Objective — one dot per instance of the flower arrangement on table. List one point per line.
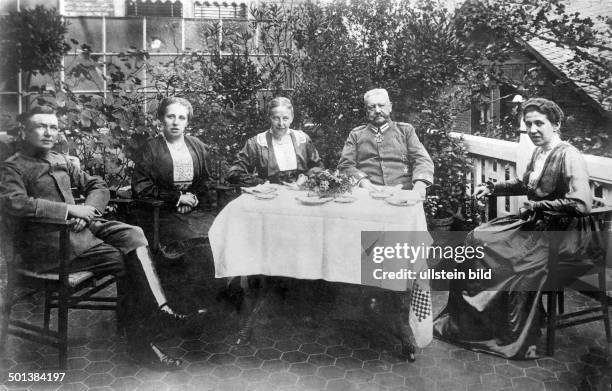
(328, 184)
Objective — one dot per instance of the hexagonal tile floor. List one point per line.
(313, 338)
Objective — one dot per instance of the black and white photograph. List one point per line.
(242, 195)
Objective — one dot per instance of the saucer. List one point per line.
(380, 195)
(266, 196)
(346, 199)
(260, 189)
(400, 202)
(313, 200)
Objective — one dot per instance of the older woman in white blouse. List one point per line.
(278, 154)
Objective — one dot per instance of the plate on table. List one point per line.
(400, 201)
(260, 189)
(313, 200)
(266, 196)
(345, 199)
(380, 195)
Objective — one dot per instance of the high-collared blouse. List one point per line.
(258, 157)
(154, 174)
(389, 156)
(182, 165)
(562, 185)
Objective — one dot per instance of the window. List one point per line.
(217, 10)
(157, 8)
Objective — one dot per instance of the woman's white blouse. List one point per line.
(284, 153)
(182, 163)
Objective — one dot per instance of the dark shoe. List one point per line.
(233, 296)
(169, 318)
(153, 356)
(408, 351)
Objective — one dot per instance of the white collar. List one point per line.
(381, 129)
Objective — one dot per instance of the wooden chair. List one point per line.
(61, 290)
(556, 316)
(151, 207)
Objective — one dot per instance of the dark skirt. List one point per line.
(503, 315)
(177, 232)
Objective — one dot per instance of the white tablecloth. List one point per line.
(282, 237)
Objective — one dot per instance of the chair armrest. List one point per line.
(145, 202)
(601, 210)
(46, 221)
(150, 203)
(225, 192)
(596, 212)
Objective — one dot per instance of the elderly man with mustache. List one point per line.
(385, 153)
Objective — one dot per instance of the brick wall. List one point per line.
(88, 8)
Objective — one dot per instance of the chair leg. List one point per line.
(551, 322)
(561, 302)
(604, 304)
(47, 313)
(4, 323)
(62, 328)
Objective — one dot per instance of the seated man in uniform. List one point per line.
(384, 152)
(387, 153)
(37, 182)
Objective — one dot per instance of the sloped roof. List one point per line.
(556, 58)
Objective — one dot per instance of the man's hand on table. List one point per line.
(368, 185)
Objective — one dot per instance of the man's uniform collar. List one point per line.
(381, 129)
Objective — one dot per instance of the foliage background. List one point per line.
(432, 61)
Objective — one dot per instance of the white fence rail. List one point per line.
(498, 160)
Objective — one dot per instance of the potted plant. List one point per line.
(447, 196)
(439, 213)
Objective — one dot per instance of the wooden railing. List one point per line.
(498, 160)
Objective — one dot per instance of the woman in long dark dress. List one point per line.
(503, 315)
(173, 168)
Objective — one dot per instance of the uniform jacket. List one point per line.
(42, 187)
(399, 159)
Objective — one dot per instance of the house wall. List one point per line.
(7, 6)
(582, 118)
(88, 8)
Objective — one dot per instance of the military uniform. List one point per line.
(41, 186)
(388, 156)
